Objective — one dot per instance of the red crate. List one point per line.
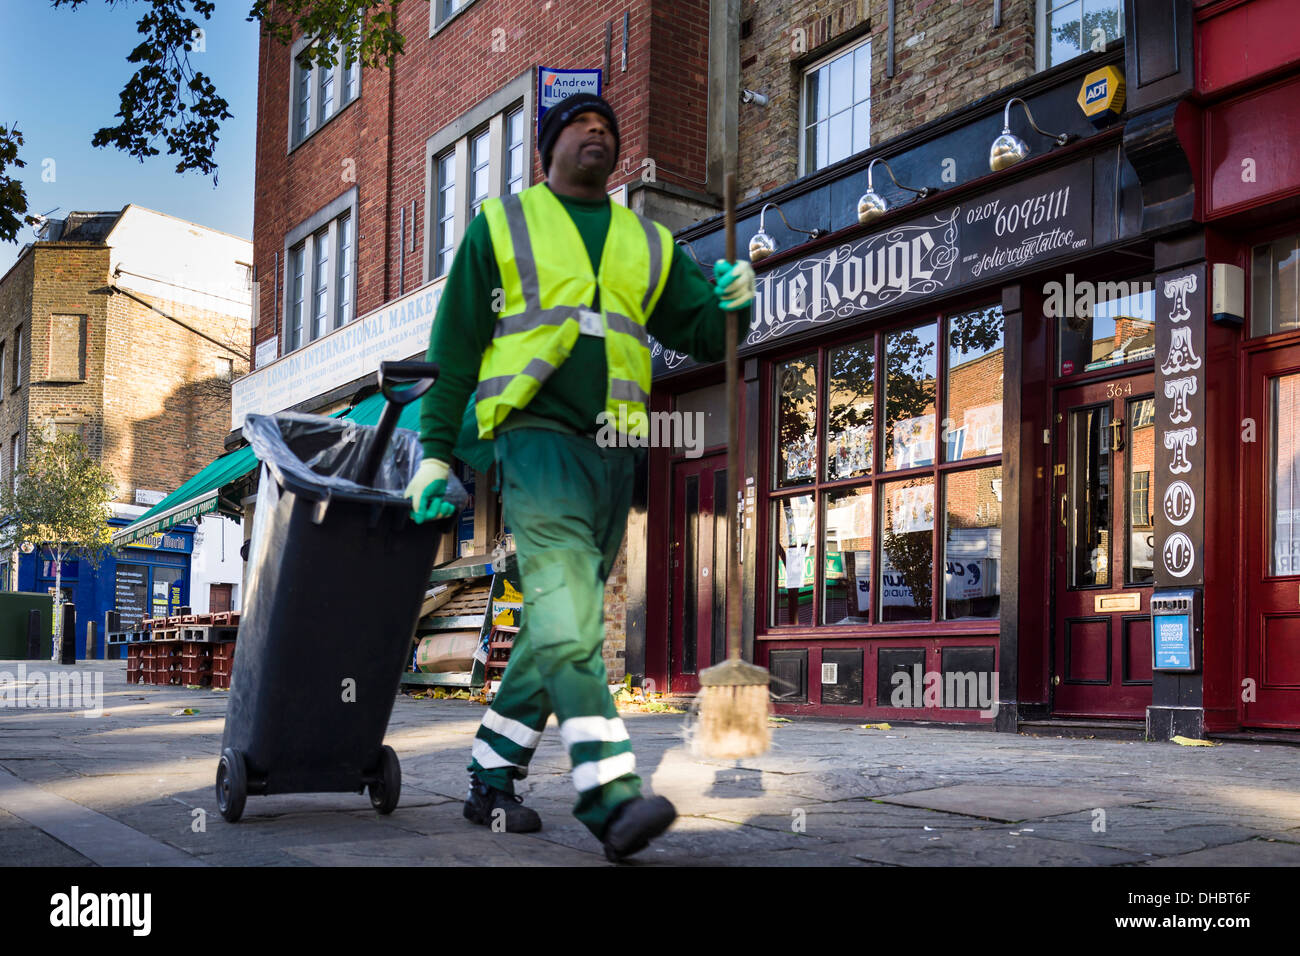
(196, 676)
(222, 667)
(196, 651)
(225, 651)
(221, 682)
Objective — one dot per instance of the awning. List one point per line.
(202, 494)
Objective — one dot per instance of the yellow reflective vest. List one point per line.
(548, 282)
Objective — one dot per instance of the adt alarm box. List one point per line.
(1176, 630)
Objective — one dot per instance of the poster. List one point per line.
(911, 509)
(983, 426)
(914, 442)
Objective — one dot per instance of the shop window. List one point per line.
(852, 538)
(320, 91)
(1102, 324)
(836, 108)
(1070, 28)
(1275, 287)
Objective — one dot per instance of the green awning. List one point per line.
(202, 494)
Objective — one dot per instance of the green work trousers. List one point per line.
(565, 500)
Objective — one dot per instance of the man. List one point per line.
(544, 318)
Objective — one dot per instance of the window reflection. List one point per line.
(973, 420)
(910, 397)
(1113, 325)
(972, 544)
(794, 556)
(851, 413)
(1284, 474)
(907, 556)
(846, 594)
(796, 421)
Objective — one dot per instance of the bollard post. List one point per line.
(91, 627)
(69, 655)
(33, 634)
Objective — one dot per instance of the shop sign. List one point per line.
(555, 85)
(395, 331)
(1043, 218)
(1180, 427)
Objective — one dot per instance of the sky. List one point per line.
(61, 71)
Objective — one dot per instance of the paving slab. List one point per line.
(1246, 853)
(982, 848)
(1011, 803)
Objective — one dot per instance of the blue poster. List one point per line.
(1173, 642)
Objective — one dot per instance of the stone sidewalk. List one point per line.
(132, 787)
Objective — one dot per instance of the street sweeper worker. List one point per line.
(544, 321)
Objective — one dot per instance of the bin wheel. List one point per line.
(232, 785)
(385, 790)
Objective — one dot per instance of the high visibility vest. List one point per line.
(547, 278)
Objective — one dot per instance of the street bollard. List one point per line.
(69, 655)
(33, 634)
(91, 627)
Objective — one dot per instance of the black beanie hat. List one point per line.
(565, 112)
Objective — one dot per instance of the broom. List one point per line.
(733, 694)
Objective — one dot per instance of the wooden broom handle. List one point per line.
(735, 515)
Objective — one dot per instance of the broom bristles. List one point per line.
(733, 722)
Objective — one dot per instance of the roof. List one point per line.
(82, 227)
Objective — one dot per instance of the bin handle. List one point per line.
(419, 376)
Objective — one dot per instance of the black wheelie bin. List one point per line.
(337, 573)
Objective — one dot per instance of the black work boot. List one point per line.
(483, 802)
(634, 824)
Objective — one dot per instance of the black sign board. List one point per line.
(1179, 485)
(1043, 218)
(130, 593)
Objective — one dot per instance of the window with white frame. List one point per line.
(320, 91)
(1070, 28)
(836, 108)
(320, 265)
(440, 11)
(481, 155)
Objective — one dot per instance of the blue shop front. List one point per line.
(149, 578)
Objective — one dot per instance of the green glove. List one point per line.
(734, 283)
(426, 492)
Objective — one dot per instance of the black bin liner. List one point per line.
(337, 574)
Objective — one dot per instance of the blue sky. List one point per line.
(60, 75)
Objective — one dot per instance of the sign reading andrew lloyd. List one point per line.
(1042, 218)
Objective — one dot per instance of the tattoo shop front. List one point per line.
(975, 437)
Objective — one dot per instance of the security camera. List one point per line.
(750, 96)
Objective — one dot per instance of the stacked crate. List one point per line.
(223, 658)
(133, 659)
(196, 664)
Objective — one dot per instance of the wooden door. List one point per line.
(1271, 696)
(698, 570)
(1103, 559)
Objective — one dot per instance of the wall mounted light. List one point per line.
(1009, 149)
(753, 96)
(761, 245)
(871, 205)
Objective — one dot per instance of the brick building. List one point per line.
(916, 403)
(127, 328)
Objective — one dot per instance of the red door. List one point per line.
(698, 567)
(1104, 548)
(1271, 696)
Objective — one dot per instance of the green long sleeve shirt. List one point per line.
(686, 318)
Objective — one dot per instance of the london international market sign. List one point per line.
(1045, 217)
(393, 332)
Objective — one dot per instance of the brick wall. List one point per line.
(380, 138)
(946, 55)
(151, 405)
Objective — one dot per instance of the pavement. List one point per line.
(134, 786)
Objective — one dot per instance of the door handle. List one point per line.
(1117, 435)
(1064, 524)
